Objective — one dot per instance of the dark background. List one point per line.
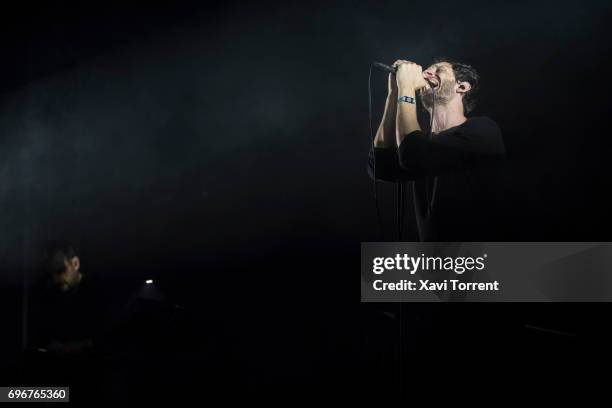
(221, 151)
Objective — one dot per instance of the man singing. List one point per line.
(452, 173)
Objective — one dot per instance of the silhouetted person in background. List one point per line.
(67, 311)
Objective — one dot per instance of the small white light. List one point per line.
(149, 281)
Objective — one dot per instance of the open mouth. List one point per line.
(434, 83)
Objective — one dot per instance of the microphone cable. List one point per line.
(430, 201)
(372, 136)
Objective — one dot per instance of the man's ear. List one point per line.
(76, 263)
(463, 87)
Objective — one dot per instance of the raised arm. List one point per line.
(385, 135)
(383, 158)
(409, 79)
(399, 119)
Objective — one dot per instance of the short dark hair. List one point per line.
(54, 254)
(464, 72)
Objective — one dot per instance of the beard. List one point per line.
(444, 93)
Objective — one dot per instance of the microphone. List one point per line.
(385, 67)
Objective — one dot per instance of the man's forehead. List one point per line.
(443, 65)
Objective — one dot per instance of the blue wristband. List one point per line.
(406, 99)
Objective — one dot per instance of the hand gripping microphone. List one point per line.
(393, 70)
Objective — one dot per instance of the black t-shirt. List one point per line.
(461, 164)
(74, 315)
